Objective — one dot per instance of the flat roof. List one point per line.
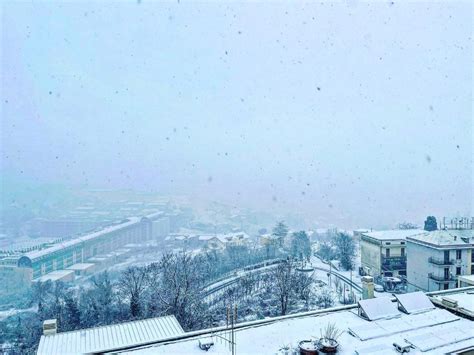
(448, 237)
(55, 275)
(466, 278)
(39, 253)
(369, 337)
(395, 234)
(465, 299)
(101, 339)
(81, 266)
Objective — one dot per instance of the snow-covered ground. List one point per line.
(14, 311)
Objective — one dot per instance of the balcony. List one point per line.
(394, 263)
(442, 278)
(440, 262)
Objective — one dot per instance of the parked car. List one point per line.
(378, 288)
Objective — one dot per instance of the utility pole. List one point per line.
(330, 272)
(351, 280)
(231, 320)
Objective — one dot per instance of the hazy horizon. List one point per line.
(353, 114)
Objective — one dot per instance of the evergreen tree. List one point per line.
(431, 224)
(19, 337)
(301, 246)
(346, 250)
(72, 316)
(280, 231)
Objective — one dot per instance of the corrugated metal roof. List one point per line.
(110, 337)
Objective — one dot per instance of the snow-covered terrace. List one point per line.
(430, 331)
(464, 300)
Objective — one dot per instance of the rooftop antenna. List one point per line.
(231, 320)
(229, 336)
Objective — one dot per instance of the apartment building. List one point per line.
(436, 259)
(384, 253)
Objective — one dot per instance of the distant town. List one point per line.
(255, 272)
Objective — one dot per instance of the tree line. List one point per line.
(172, 285)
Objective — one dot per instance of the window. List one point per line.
(446, 256)
(388, 243)
(458, 254)
(387, 253)
(402, 251)
(458, 270)
(446, 273)
(472, 255)
(446, 286)
(402, 243)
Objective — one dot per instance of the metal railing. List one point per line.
(442, 278)
(394, 263)
(440, 262)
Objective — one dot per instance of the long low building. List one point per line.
(78, 250)
(65, 254)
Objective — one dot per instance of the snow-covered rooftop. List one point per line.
(81, 266)
(414, 302)
(432, 332)
(449, 237)
(467, 278)
(378, 308)
(225, 238)
(101, 339)
(60, 246)
(56, 275)
(395, 234)
(464, 299)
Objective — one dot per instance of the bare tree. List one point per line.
(132, 284)
(283, 278)
(181, 281)
(302, 285)
(247, 283)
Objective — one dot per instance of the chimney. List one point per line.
(367, 287)
(50, 327)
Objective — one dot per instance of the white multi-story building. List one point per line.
(435, 259)
(384, 253)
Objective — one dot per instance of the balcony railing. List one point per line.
(441, 278)
(440, 262)
(394, 263)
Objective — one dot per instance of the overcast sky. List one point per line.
(349, 113)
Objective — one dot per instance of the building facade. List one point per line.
(436, 259)
(384, 253)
